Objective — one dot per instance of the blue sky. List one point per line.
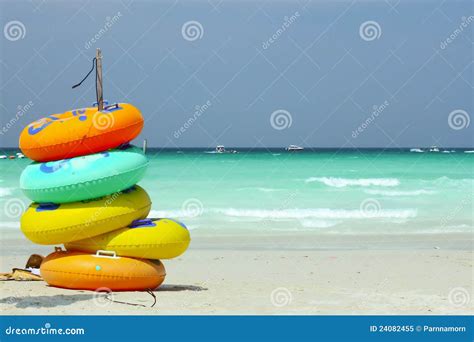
(249, 73)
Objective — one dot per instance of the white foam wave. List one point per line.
(5, 192)
(446, 181)
(343, 182)
(399, 193)
(311, 223)
(469, 151)
(416, 150)
(11, 224)
(318, 213)
(261, 189)
(172, 214)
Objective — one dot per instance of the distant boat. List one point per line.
(20, 155)
(221, 149)
(3, 156)
(434, 149)
(294, 148)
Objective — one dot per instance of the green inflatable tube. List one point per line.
(83, 178)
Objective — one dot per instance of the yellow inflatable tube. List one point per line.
(48, 223)
(145, 239)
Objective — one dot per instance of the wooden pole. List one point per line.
(100, 94)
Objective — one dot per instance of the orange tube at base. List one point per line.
(104, 270)
(80, 132)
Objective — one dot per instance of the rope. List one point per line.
(94, 66)
(150, 292)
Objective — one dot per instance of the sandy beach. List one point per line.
(432, 276)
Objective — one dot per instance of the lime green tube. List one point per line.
(83, 178)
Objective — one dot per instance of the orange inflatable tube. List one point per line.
(80, 132)
(101, 271)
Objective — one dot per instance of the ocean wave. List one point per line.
(172, 213)
(5, 192)
(399, 193)
(311, 223)
(321, 213)
(416, 150)
(12, 224)
(446, 181)
(289, 214)
(343, 182)
(261, 189)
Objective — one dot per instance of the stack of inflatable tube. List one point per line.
(84, 193)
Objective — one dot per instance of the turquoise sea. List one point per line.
(321, 191)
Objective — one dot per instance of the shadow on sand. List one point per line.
(45, 301)
(177, 288)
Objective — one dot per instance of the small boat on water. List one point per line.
(221, 149)
(434, 149)
(17, 155)
(294, 148)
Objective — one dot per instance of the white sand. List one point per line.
(204, 281)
